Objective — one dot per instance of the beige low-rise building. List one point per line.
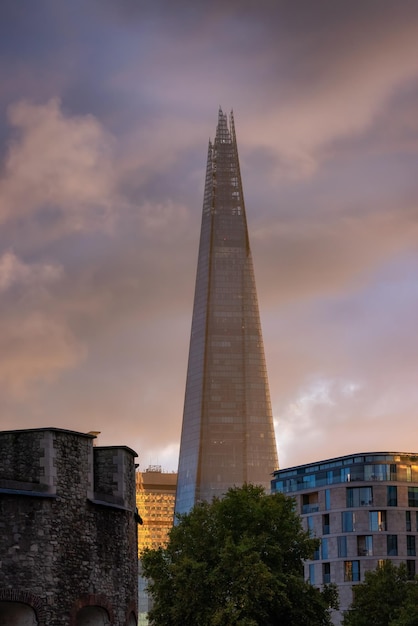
(155, 498)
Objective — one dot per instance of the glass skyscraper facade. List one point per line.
(227, 436)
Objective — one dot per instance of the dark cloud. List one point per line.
(105, 113)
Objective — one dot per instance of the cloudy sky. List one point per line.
(106, 109)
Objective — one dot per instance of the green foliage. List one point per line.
(386, 598)
(408, 613)
(236, 561)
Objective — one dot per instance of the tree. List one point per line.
(386, 598)
(408, 614)
(236, 561)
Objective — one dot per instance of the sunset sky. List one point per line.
(106, 109)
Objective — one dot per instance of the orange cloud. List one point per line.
(13, 271)
(60, 163)
(36, 342)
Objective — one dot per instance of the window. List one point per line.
(327, 499)
(324, 548)
(312, 573)
(410, 545)
(410, 568)
(316, 554)
(357, 473)
(392, 495)
(412, 496)
(408, 524)
(416, 521)
(325, 524)
(309, 481)
(310, 502)
(404, 473)
(348, 521)
(377, 520)
(310, 525)
(326, 573)
(376, 472)
(365, 545)
(359, 496)
(351, 571)
(342, 546)
(345, 475)
(392, 545)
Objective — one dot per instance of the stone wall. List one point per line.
(68, 533)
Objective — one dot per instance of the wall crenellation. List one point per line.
(61, 544)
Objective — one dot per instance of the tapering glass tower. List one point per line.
(227, 436)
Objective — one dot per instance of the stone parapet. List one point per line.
(68, 533)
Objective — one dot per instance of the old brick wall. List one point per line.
(20, 458)
(63, 542)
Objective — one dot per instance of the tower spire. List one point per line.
(227, 435)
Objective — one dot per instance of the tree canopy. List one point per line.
(386, 598)
(236, 561)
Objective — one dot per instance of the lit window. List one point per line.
(377, 520)
(351, 571)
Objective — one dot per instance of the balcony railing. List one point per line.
(310, 508)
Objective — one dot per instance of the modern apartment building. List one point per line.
(364, 509)
(228, 436)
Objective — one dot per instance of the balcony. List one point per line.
(310, 508)
(364, 552)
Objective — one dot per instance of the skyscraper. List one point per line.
(227, 435)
